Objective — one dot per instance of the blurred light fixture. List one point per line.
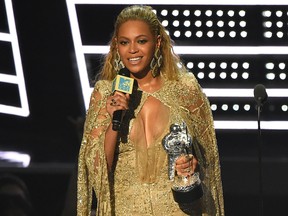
(14, 159)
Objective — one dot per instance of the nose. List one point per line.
(133, 48)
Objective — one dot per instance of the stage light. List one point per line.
(165, 23)
(280, 34)
(176, 23)
(212, 75)
(234, 75)
(198, 23)
(213, 107)
(279, 13)
(223, 65)
(175, 13)
(201, 65)
(231, 13)
(208, 13)
(14, 159)
(199, 34)
(247, 107)
(270, 76)
(190, 65)
(188, 34)
(282, 66)
(231, 24)
(187, 23)
(245, 65)
(245, 75)
(269, 65)
(242, 13)
(282, 76)
(177, 33)
(279, 24)
(232, 34)
(201, 75)
(221, 34)
(212, 65)
(242, 24)
(266, 13)
(164, 12)
(186, 13)
(268, 24)
(235, 107)
(224, 107)
(234, 65)
(268, 34)
(197, 13)
(219, 13)
(223, 75)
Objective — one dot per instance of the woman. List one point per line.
(127, 169)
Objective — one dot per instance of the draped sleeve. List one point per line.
(201, 125)
(92, 166)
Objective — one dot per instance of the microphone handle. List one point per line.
(116, 121)
(260, 169)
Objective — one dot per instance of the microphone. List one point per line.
(260, 94)
(122, 83)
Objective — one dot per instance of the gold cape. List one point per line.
(138, 184)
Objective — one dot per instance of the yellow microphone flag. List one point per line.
(123, 84)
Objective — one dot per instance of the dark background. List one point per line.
(51, 134)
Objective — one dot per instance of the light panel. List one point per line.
(181, 2)
(18, 79)
(81, 50)
(206, 50)
(251, 125)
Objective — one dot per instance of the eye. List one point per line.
(142, 41)
(123, 42)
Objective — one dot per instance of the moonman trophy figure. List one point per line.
(178, 143)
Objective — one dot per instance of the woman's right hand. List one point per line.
(117, 101)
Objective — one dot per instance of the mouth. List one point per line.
(134, 60)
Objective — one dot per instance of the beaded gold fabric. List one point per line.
(138, 183)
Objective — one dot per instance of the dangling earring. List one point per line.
(156, 63)
(118, 64)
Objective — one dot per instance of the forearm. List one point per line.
(110, 145)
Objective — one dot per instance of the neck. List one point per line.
(149, 83)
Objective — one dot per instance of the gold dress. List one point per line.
(138, 183)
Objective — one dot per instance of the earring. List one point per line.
(118, 64)
(156, 62)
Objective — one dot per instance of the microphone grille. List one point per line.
(124, 72)
(260, 93)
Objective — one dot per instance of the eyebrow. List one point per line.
(136, 37)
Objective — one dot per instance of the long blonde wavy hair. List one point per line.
(171, 65)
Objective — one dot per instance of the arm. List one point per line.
(206, 148)
(110, 145)
(92, 166)
(118, 101)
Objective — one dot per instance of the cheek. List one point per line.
(150, 54)
(121, 52)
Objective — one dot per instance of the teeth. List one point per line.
(135, 59)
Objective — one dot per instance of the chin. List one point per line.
(134, 69)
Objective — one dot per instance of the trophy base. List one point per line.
(189, 196)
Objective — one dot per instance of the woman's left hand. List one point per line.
(186, 165)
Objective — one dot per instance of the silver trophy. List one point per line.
(178, 143)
